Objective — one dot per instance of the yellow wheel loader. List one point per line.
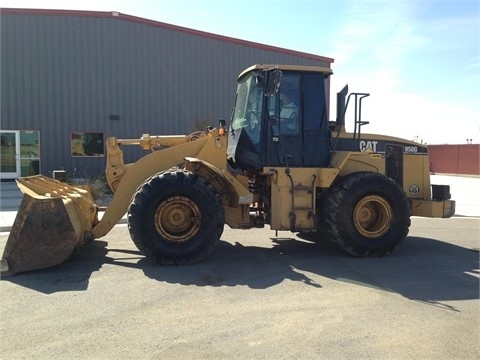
(280, 162)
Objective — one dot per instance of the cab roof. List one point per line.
(300, 68)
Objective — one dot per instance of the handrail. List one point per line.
(358, 123)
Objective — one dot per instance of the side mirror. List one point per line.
(274, 80)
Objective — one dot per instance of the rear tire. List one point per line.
(366, 214)
(176, 218)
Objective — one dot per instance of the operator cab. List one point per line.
(280, 118)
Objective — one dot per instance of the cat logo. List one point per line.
(370, 146)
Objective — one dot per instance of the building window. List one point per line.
(86, 143)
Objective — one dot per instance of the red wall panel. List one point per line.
(455, 159)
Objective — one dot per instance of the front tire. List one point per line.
(366, 214)
(176, 218)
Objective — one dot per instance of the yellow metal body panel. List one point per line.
(416, 176)
(432, 208)
(293, 194)
(350, 162)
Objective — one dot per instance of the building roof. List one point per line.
(157, 24)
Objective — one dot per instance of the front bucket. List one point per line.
(45, 233)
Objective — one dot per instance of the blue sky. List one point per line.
(419, 59)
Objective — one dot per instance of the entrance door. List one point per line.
(29, 152)
(9, 154)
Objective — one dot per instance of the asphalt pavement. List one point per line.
(258, 296)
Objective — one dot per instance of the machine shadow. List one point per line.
(422, 269)
(71, 275)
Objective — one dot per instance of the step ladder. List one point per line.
(311, 194)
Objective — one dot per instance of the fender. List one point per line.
(233, 189)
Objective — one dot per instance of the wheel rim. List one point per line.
(372, 216)
(177, 219)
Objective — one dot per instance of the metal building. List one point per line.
(70, 79)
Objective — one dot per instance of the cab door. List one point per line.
(316, 135)
(283, 137)
(302, 140)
